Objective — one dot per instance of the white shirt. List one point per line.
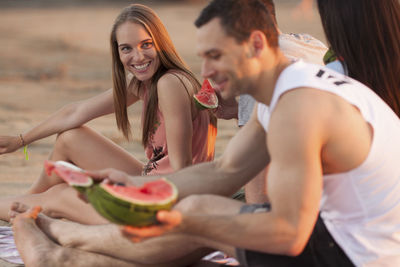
(361, 207)
(294, 47)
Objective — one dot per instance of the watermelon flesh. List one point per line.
(70, 173)
(127, 205)
(155, 192)
(206, 98)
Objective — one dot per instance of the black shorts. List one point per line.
(321, 249)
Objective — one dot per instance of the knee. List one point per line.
(193, 203)
(69, 136)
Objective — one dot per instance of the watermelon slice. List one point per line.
(70, 173)
(206, 98)
(127, 205)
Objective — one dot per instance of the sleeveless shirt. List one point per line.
(360, 207)
(203, 142)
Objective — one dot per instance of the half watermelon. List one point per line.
(206, 98)
(127, 205)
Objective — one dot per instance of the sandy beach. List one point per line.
(55, 53)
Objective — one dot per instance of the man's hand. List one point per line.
(169, 221)
(227, 108)
(111, 176)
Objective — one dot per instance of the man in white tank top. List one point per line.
(332, 146)
(294, 47)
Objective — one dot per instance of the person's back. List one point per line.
(360, 207)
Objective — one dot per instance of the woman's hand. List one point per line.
(9, 144)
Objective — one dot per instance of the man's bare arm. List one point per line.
(245, 155)
(296, 137)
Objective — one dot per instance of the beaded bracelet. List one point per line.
(22, 139)
(25, 147)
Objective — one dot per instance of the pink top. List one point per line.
(203, 142)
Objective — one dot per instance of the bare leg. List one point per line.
(256, 189)
(107, 239)
(87, 149)
(36, 249)
(60, 201)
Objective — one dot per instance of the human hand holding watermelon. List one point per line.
(210, 98)
(120, 204)
(227, 108)
(168, 221)
(110, 175)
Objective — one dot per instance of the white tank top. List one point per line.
(361, 207)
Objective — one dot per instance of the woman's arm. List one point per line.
(70, 116)
(175, 105)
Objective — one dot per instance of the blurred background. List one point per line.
(53, 52)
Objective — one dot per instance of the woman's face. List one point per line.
(137, 51)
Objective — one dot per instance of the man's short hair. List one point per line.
(269, 4)
(241, 17)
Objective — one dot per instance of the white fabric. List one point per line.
(293, 46)
(361, 207)
(8, 249)
(302, 46)
(336, 66)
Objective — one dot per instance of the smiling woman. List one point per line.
(137, 52)
(145, 66)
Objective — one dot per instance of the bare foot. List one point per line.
(37, 250)
(52, 228)
(33, 245)
(16, 209)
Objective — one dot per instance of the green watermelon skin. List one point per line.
(206, 98)
(123, 212)
(111, 207)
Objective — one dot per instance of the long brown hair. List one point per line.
(366, 35)
(169, 60)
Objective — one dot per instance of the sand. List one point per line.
(55, 53)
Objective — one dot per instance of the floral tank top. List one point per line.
(203, 142)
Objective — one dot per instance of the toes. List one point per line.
(12, 214)
(19, 207)
(29, 214)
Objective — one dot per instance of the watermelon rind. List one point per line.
(207, 91)
(118, 210)
(115, 207)
(67, 164)
(81, 187)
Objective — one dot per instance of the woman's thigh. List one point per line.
(90, 150)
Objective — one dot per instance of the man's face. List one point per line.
(228, 64)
